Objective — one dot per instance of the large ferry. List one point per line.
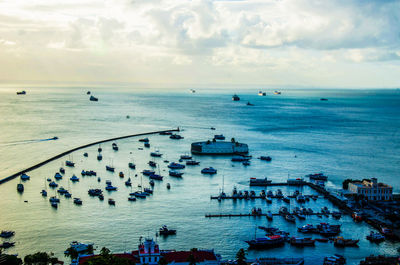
(219, 148)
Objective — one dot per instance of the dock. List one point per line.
(248, 198)
(254, 215)
(78, 148)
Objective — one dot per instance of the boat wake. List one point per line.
(27, 141)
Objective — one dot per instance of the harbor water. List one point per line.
(355, 134)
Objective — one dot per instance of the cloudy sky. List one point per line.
(284, 43)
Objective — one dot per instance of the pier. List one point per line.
(255, 215)
(76, 149)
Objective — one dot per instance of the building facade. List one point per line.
(372, 190)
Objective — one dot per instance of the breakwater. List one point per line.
(26, 170)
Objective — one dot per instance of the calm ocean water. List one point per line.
(353, 135)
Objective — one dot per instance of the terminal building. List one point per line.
(372, 190)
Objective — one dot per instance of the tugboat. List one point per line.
(266, 242)
(164, 231)
(375, 237)
(209, 170)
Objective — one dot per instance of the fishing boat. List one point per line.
(54, 199)
(80, 247)
(219, 137)
(175, 136)
(168, 186)
(24, 177)
(375, 237)
(249, 104)
(85, 154)
(67, 195)
(334, 260)
(131, 165)
(77, 201)
(269, 216)
(308, 228)
(95, 192)
(239, 159)
(53, 184)
(111, 201)
(44, 193)
(110, 168)
(144, 140)
(151, 182)
(265, 158)
(99, 149)
(175, 174)
(209, 170)
(152, 163)
(317, 176)
(23, 92)
(93, 98)
(174, 165)
(301, 242)
(186, 157)
(58, 176)
(300, 198)
(69, 163)
(286, 199)
(147, 145)
(165, 231)
(20, 187)
(148, 172)
(101, 197)
(268, 200)
(62, 190)
(114, 146)
(74, 178)
(7, 245)
(62, 170)
(336, 214)
(132, 198)
(110, 187)
(290, 218)
(192, 163)
(165, 133)
(138, 194)
(7, 234)
(148, 190)
(266, 242)
(156, 177)
(235, 98)
(121, 174)
(128, 182)
(341, 242)
(156, 153)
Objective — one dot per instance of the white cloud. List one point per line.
(118, 39)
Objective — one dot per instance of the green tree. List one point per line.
(241, 257)
(162, 261)
(71, 252)
(9, 259)
(40, 258)
(107, 258)
(191, 259)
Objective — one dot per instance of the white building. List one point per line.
(372, 190)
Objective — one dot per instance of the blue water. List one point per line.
(353, 135)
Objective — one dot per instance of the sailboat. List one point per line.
(70, 163)
(139, 194)
(110, 168)
(222, 193)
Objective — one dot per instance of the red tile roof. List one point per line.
(183, 256)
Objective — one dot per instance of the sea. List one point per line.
(354, 134)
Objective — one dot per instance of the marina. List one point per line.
(186, 202)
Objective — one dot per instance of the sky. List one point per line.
(202, 43)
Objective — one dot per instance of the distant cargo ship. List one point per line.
(219, 148)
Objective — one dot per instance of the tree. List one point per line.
(40, 258)
(162, 261)
(10, 259)
(71, 252)
(191, 259)
(241, 257)
(107, 258)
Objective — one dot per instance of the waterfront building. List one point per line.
(372, 190)
(149, 253)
